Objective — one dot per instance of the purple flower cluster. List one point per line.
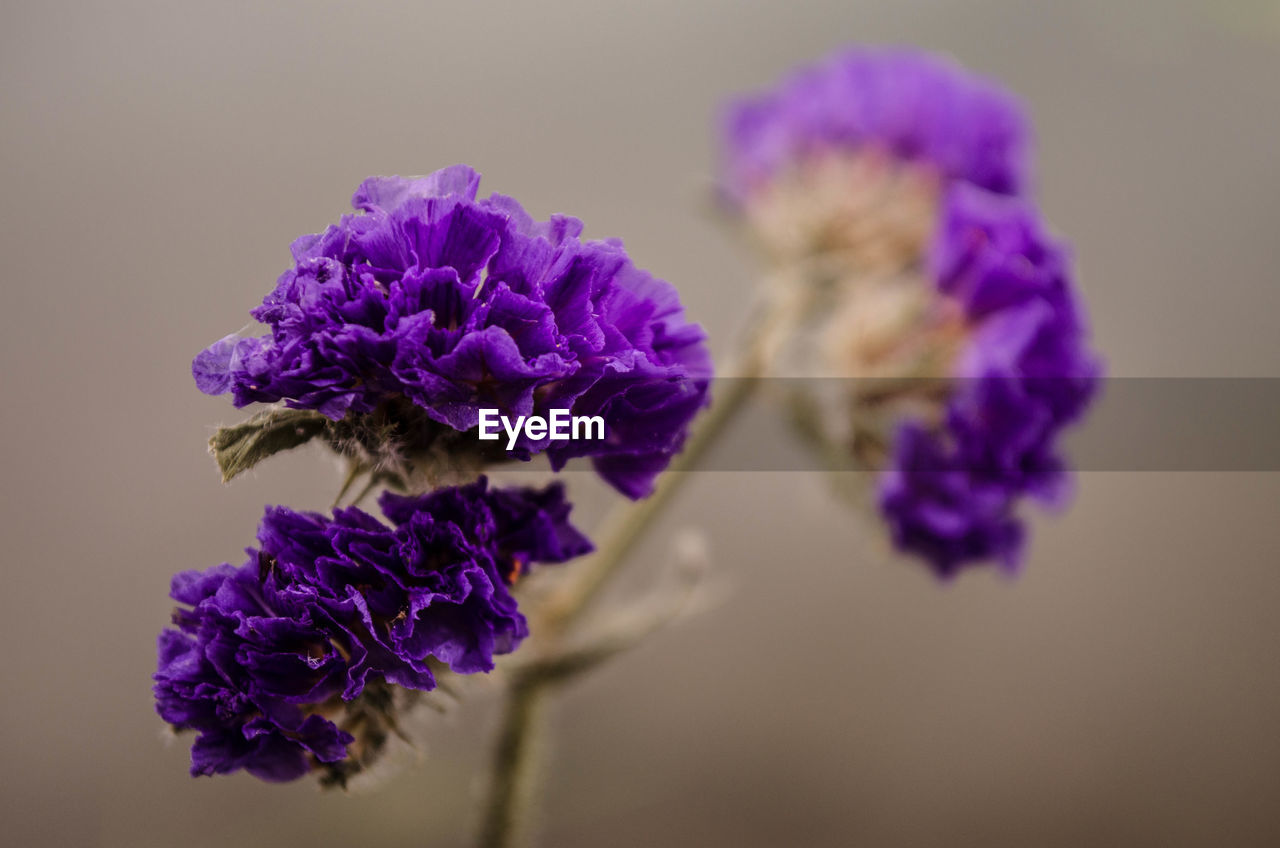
(1022, 371)
(1023, 375)
(910, 105)
(453, 304)
(269, 660)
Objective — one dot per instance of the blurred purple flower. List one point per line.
(1021, 376)
(429, 299)
(270, 661)
(903, 103)
(909, 175)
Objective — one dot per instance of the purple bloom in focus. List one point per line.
(280, 664)
(1023, 374)
(906, 104)
(428, 304)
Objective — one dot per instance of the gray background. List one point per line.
(158, 158)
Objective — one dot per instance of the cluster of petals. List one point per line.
(431, 297)
(264, 658)
(910, 105)
(1022, 370)
(1024, 374)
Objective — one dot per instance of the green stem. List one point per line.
(515, 766)
(624, 528)
(514, 772)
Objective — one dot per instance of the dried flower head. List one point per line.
(403, 320)
(910, 106)
(298, 660)
(851, 155)
(895, 182)
(1019, 374)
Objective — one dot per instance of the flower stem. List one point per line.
(515, 766)
(514, 774)
(623, 528)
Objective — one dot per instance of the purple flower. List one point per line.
(905, 104)
(907, 176)
(280, 664)
(428, 304)
(1022, 375)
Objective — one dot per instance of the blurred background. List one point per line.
(158, 158)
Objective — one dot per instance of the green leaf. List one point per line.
(242, 446)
